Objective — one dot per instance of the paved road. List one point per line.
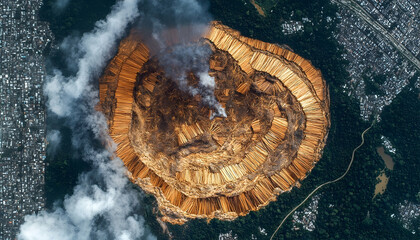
(329, 182)
(363, 14)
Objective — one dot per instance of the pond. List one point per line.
(383, 178)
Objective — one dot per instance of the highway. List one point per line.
(363, 14)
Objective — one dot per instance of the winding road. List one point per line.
(326, 183)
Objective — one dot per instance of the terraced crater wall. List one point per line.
(277, 123)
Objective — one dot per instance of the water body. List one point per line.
(389, 162)
(380, 187)
(383, 178)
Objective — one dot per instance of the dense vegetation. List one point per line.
(401, 124)
(63, 162)
(63, 168)
(78, 17)
(346, 209)
(373, 83)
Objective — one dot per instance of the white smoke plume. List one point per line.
(192, 57)
(104, 203)
(177, 25)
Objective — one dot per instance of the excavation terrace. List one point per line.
(277, 107)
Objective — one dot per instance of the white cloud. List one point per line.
(53, 138)
(96, 49)
(103, 204)
(47, 226)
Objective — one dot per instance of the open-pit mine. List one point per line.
(277, 107)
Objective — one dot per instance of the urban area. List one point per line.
(22, 113)
(382, 45)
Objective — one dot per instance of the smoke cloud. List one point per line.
(192, 57)
(104, 204)
(178, 25)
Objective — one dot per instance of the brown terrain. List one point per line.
(277, 122)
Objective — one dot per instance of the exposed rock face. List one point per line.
(277, 107)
